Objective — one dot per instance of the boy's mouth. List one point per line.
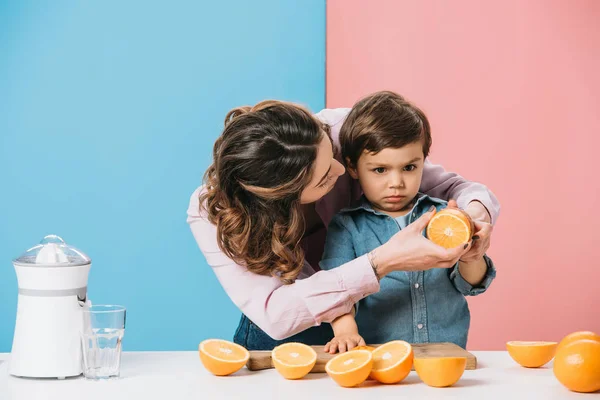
(394, 199)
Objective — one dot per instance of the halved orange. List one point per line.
(293, 360)
(221, 357)
(392, 361)
(531, 354)
(577, 365)
(367, 347)
(440, 371)
(351, 368)
(572, 337)
(450, 228)
(370, 348)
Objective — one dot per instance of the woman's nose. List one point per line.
(337, 168)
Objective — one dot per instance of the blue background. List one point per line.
(108, 113)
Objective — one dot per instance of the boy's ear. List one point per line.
(351, 169)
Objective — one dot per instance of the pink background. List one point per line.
(512, 89)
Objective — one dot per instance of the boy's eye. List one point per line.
(410, 167)
(379, 170)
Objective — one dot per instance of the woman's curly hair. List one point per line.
(261, 164)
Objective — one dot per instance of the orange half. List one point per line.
(440, 371)
(370, 348)
(351, 368)
(531, 354)
(392, 362)
(293, 360)
(450, 228)
(221, 357)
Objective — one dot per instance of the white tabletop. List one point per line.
(180, 375)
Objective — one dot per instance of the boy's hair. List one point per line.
(382, 120)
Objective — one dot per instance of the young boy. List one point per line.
(385, 141)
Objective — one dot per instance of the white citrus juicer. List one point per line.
(52, 278)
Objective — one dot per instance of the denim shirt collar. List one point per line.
(421, 205)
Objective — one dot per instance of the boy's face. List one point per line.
(391, 178)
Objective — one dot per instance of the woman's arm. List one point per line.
(437, 182)
(283, 310)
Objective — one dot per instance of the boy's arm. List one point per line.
(339, 249)
(473, 272)
(339, 246)
(346, 335)
(473, 278)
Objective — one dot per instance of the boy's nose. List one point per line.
(396, 181)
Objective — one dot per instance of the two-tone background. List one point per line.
(108, 113)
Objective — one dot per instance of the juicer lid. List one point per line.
(52, 251)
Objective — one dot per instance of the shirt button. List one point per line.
(416, 285)
(420, 326)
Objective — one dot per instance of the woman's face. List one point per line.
(326, 171)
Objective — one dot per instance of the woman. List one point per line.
(260, 220)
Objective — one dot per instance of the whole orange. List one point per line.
(577, 365)
(572, 337)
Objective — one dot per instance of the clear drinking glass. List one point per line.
(103, 330)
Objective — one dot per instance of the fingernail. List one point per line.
(432, 208)
(475, 237)
(466, 245)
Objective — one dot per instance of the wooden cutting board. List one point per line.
(262, 359)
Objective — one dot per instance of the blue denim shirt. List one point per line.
(419, 306)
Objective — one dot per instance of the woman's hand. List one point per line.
(409, 250)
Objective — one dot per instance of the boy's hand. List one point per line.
(480, 243)
(346, 334)
(344, 342)
(482, 233)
